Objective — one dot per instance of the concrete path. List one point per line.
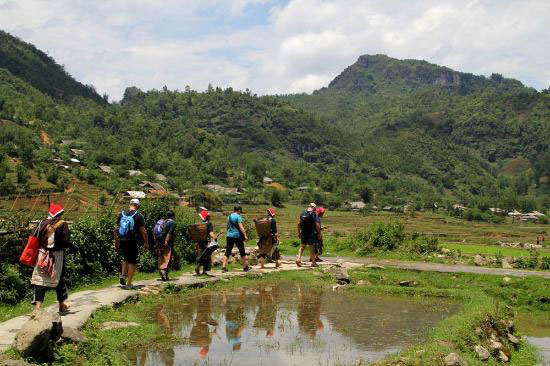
(439, 267)
(84, 303)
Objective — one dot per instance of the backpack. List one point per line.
(307, 222)
(158, 229)
(126, 225)
(48, 234)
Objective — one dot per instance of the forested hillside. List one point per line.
(40, 70)
(419, 122)
(407, 131)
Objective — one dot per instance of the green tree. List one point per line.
(366, 193)
(21, 174)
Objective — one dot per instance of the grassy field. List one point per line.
(485, 301)
(453, 233)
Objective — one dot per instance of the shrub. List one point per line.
(13, 284)
(423, 244)
(206, 199)
(545, 263)
(381, 236)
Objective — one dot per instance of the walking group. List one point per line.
(46, 247)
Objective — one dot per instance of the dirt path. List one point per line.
(441, 267)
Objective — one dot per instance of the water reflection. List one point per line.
(286, 324)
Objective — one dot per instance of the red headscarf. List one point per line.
(271, 212)
(55, 209)
(320, 211)
(203, 215)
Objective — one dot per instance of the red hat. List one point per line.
(55, 210)
(203, 352)
(271, 211)
(321, 211)
(204, 215)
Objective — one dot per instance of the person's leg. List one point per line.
(261, 259)
(228, 250)
(38, 296)
(312, 255)
(300, 252)
(198, 253)
(131, 262)
(62, 292)
(131, 271)
(242, 253)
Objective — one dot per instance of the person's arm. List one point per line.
(145, 237)
(241, 227)
(66, 237)
(170, 233)
(299, 230)
(318, 228)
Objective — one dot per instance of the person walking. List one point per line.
(129, 230)
(308, 231)
(164, 242)
(268, 245)
(49, 271)
(236, 235)
(200, 247)
(320, 211)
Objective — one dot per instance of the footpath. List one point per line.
(84, 303)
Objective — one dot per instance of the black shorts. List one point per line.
(129, 250)
(231, 242)
(308, 239)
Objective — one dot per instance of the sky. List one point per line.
(277, 46)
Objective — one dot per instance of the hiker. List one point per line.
(309, 231)
(319, 212)
(200, 246)
(236, 235)
(204, 326)
(164, 242)
(268, 245)
(267, 310)
(129, 229)
(235, 319)
(49, 271)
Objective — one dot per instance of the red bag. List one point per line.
(30, 253)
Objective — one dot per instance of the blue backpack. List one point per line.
(126, 225)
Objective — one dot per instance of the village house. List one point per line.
(267, 180)
(77, 153)
(160, 177)
(135, 173)
(152, 186)
(106, 169)
(222, 190)
(134, 194)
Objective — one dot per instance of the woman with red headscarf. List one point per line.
(268, 245)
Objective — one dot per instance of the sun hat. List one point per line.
(134, 202)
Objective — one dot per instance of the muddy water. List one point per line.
(537, 332)
(287, 324)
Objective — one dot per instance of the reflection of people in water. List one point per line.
(201, 334)
(235, 320)
(267, 311)
(309, 311)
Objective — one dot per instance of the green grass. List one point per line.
(483, 299)
(493, 250)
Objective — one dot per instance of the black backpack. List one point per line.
(307, 222)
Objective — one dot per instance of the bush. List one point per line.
(13, 284)
(206, 199)
(545, 263)
(381, 236)
(423, 244)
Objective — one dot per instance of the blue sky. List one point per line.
(272, 46)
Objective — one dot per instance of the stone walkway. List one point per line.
(440, 267)
(84, 303)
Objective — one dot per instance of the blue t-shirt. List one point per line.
(233, 222)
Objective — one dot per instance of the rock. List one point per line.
(506, 280)
(513, 339)
(482, 353)
(375, 266)
(36, 336)
(408, 283)
(454, 359)
(5, 361)
(339, 274)
(502, 356)
(440, 255)
(506, 264)
(71, 335)
(117, 325)
(252, 259)
(445, 251)
(447, 344)
(496, 345)
(478, 332)
(336, 287)
(364, 283)
(480, 261)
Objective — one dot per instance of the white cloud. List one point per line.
(299, 45)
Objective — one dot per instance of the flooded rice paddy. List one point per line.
(286, 324)
(537, 332)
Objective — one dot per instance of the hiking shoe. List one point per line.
(314, 264)
(247, 269)
(129, 287)
(224, 270)
(319, 260)
(122, 280)
(298, 263)
(198, 270)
